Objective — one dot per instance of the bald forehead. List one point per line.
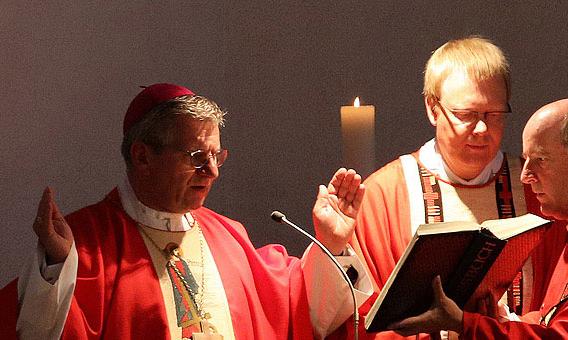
(547, 125)
(551, 116)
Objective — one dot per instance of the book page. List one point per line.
(446, 227)
(509, 227)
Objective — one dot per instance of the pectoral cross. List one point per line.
(208, 331)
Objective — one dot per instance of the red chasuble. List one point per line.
(555, 307)
(9, 310)
(384, 230)
(118, 296)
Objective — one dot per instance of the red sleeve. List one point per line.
(383, 222)
(381, 236)
(9, 310)
(117, 293)
(546, 254)
(264, 287)
(477, 326)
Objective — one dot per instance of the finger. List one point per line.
(335, 183)
(346, 183)
(482, 305)
(492, 308)
(44, 209)
(41, 223)
(353, 188)
(62, 227)
(356, 202)
(55, 212)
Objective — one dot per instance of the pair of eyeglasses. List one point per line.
(200, 158)
(469, 117)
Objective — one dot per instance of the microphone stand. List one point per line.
(281, 218)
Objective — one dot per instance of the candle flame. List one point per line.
(356, 103)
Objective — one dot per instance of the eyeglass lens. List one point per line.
(200, 158)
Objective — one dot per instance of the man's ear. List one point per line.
(430, 104)
(140, 154)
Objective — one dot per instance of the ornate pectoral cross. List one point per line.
(193, 321)
(208, 331)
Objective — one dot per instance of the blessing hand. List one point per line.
(53, 232)
(336, 208)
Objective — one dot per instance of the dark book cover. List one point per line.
(472, 260)
(475, 263)
(411, 290)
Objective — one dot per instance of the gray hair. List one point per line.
(157, 126)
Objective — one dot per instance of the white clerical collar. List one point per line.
(431, 158)
(149, 217)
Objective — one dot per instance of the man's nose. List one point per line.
(481, 125)
(209, 169)
(527, 175)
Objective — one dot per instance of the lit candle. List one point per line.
(358, 134)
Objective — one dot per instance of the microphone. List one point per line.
(281, 218)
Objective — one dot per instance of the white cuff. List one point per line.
(329, 296)
(45, 302)
(505, 314)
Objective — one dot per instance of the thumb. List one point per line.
(322, 191)
(437, 288)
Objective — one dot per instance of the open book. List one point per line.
(472, 261)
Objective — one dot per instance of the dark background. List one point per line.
(281, 68)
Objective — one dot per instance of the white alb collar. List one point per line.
(431, 158)
(149, 217)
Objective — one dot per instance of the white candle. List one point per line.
(358, 134)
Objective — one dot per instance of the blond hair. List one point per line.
(475, 56)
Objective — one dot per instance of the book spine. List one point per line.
(476, 262)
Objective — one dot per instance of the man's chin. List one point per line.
(476, 166)
(550, 211)
(479, 161)
(196, 204)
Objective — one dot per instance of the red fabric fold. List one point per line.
(9, 310)
(118, 295)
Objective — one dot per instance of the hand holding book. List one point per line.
(444, 314)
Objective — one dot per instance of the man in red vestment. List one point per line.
(545, 148)
(460, 175)
(150, 261)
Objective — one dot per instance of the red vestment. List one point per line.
(9, 310)
(481, 327)
(384, 229)
(118, 296)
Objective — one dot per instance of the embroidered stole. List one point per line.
(434, 212)
(183, 315)
(186, 306)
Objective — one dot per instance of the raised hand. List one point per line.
(335, 209)
(53, 232)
